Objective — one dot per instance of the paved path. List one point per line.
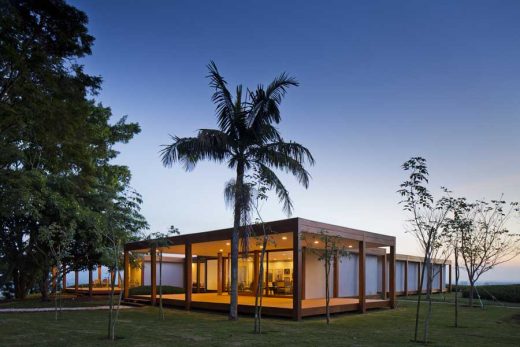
(51, 309)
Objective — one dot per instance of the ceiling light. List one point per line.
(349, 246)
(316, 241)
(261, 247)
(221, 250)
(284, 237)
(227, 243)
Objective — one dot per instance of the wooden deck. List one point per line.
(272, 306)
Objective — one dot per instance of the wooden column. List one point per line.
(383, 275)
(267, 273)
(188, 282)
(335, 288)
(153, 275)
(220, 269)
(392, 276)
(304, 250)
(54, 275)
(441, 277)
(419, 289)
(405, 278)
(90, 282)
(297, 275)
(449, 278)
(76, 280)
(142, 264)
(362, 277)
(99, 274)
(64, 279)
(224, 273)
(198, 274)
(256, 270)
(126, 275)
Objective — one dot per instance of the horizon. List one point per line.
(445, 75)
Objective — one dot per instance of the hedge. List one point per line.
(506, 293)
(146, 290)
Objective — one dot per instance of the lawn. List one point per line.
(68, 300)
(450, 298)
(142, 327)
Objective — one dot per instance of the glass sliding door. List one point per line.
(280, 273)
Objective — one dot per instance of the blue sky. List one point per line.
(381, 81)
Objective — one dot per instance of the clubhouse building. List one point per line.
(367, 274)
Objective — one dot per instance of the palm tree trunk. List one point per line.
(233, 305)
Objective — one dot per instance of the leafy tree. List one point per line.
(56, 143)
(246, 139)
(159, 240)
(57, 239)
(427, 225)
(485, 238)
(332, 247)
(455, 227)
(123, 223)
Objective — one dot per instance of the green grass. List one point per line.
(34, 301)
(494, 326)
(450, 298)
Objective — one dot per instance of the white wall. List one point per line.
(436, 277)
(413, 276)
(348, 275)
(212, 274)
(172, 274)
(372, 275)
(315, 277)
(399, 276)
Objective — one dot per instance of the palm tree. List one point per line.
(246, 140)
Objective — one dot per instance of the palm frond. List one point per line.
(287, 156)
(264, 105)
(272, 180)
(221, 97)
(208, 145)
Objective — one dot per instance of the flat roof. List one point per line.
(298, 224)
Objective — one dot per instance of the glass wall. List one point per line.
(246, 275)
(280, 273)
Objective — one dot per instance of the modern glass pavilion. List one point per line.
(363, 278)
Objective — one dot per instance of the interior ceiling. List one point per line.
(316, 241)
(276, 241)
(208, 249)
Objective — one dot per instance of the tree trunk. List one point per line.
(233, 305)
(456, 287)
(160, 286)
(327, 289)
(260, 287)
(20, 286)
(419, 294)
(110, 335)
(471, 292)
(429, 287)
(44, 285)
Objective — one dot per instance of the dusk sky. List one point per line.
(380, 82)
